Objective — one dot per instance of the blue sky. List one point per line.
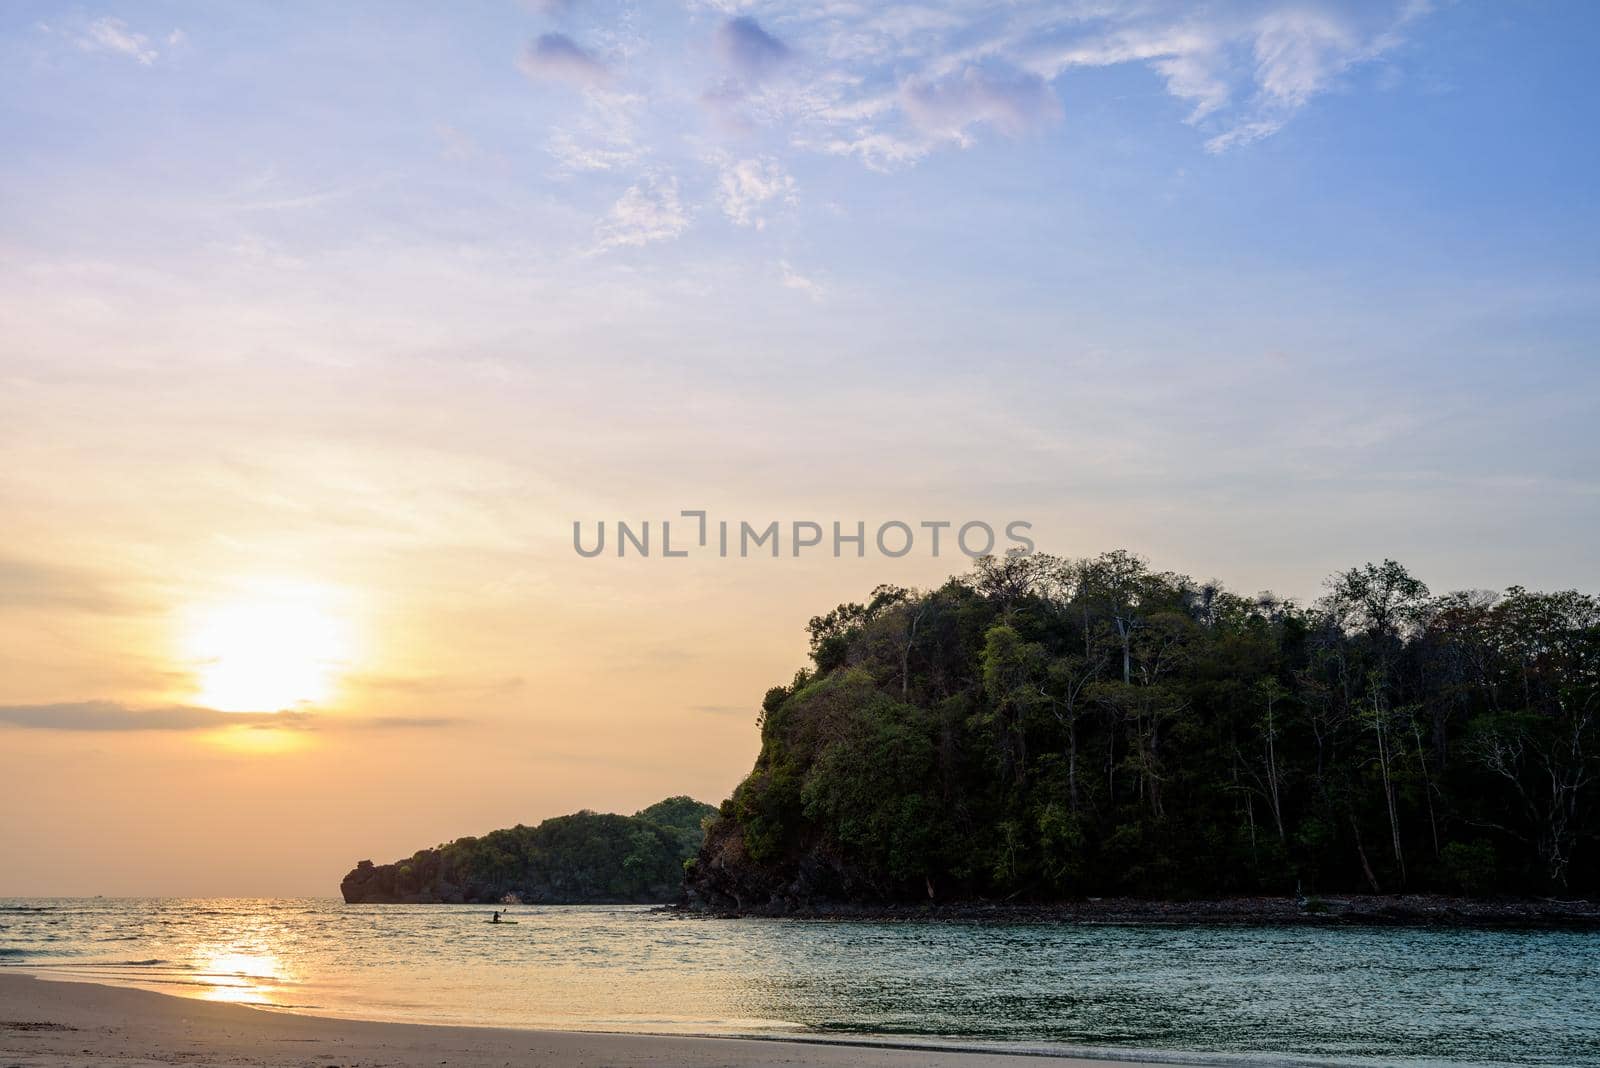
(375, 299)
(1325, 266)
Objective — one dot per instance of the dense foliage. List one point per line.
(584, 857)
(1046, 728)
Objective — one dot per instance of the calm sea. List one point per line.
(1365, 996)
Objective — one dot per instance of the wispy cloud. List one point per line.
(402, 723)
(891, 85)
(793, 279)
(579, 154)
(114, 716)
(749, 49)
(111, 716)
(879, 82)
(603, 136)
(648, 212)
(440, 685)
(747, 186)
(32, 584)
(722, 710)
(1300, 53)
(1245, 67)
(113, 35)
(1010, 100)
(557, 57)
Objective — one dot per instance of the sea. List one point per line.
(1197, 994)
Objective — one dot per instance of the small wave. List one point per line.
(55, 962)
(13, 951)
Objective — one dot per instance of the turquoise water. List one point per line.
(1362, 996)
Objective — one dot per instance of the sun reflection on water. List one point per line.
(245, 976)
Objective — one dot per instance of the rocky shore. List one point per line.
(1388, 910)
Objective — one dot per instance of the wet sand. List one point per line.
(49, 1024)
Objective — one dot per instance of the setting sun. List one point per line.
(269, 652)
(561, 533)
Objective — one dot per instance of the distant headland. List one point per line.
(584, 858)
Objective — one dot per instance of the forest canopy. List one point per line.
(1046, 728)
(584, 858)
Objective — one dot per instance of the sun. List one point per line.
(276, 649)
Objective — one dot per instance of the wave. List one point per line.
(53, 961)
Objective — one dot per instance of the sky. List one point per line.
(320, 327)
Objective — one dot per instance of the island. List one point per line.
(1046, 731)
(583, 858)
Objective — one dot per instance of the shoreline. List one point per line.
(53, 1023)
(1332, 910)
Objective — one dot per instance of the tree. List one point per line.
(1379, 738)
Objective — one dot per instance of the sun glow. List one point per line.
(279, 649)
(242, 976)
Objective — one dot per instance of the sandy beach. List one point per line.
(47, 1024)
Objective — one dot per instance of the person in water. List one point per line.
(496, 917)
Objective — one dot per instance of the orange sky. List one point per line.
(317, 334)
(397, 478)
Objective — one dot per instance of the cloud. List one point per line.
(878, 151)
(1012, 101)
(403, 723)
(1245, 67)
(722, 710)
(557, 57)
(751, 51)
(792, 279)
(1300, 53)
(745, 187)
(437, 685)
(1197, 78)
(112, 35)
(604, 135)
(575, 155)
(647, 213)
(892, 85)
(112, 716)
(725, 102)
(30, 584)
